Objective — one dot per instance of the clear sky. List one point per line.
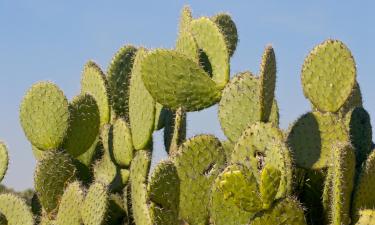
(52, 40)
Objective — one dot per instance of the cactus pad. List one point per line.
(15, 210)
(174, 130)
(44, 115)
(269, 184)
(328, 75)
(187, 45)
(174, 80)
(4, 160)
(95, 204)
(69, 209)
(185, 19)
(141, 106)
(93, 81)
(122, 143)
(228, 29)
(366, 217)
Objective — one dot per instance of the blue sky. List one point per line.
(51, 40)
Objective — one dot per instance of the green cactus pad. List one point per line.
(366, 217)
(141, 106)
(364, 197)
(174, 80)
(53, 173)
(343, 172)
(116, 212)
(262, 144)
(228, 147)
(328, 75)
(212, 42)
(359, 128)
(354, 100)
(269, 184)
(90, 155)
(83, 126)
(44, 115)
(95, 204)
(239, 105)
(38, 154)
(4, 160)
(70, 203)
(164, 194)
(15, 210)
(160, 113)
(225, 211)
(118, 76)
(228, 29)
(287, 211)
(122, 143)
(174, 130)
(187, 45)
(311, 137)
(185, 19)
(274, 116)
(93, 81)
(267, 79)
(139, 170)
(198, 162)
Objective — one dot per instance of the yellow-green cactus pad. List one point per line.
(70, 203)
(83, 126)
(53, 173)
(267, 80)
(4, 160)
(187, 45)
(262, 144)
(212, 42)
(328, 75)
(354, 100)
(185, 19)
(95, 204)
(311, 138)
(228, 147)
(38, 154)
(118, 76)
(287, 211)
(164, 194)
(15, 210)
(225, 209)
(343, 170)
(122, 143)
(93, 81)
(359, 128)
(89, 155)
(366, 217)
(175, 81)
(228, 29)
(44, 115)
(139, 170)
(269, 184)
(174, 130)
(364, 197)
(274, 116)
(239, 105)
(141, 106)
(198, 162)
(160, 113)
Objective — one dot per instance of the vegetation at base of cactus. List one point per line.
(83, 126)
(4, 160)
(174, 130)
(198, 161)
(44, 115)
(95, 204)
(122, 143)
(94, 82)
(366, 217)
(70, 203)
(328, 75)
(15, 210)
(118, 76)
(262, 144)
(311, 137)
(228, 29)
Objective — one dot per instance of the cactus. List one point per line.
(94, 152)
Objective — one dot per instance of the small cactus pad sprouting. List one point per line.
(239, 105)
(93, 81)
(185, 19)
(83, 126)
(311, 137)
(70, 203)
(118, 75)
(4, 160)
(95, 204)
(174, 130)
(328, 75)
(15, 210)
(198, 162)
(141, 106)
(267, 79)
(212, 42)
(366, 217)
(174, 80)
(53, 173)
(269, 184)
(228, 29)
(122, 143)
(274, 116)
(44, 115)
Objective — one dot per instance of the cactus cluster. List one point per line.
(94, 152)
